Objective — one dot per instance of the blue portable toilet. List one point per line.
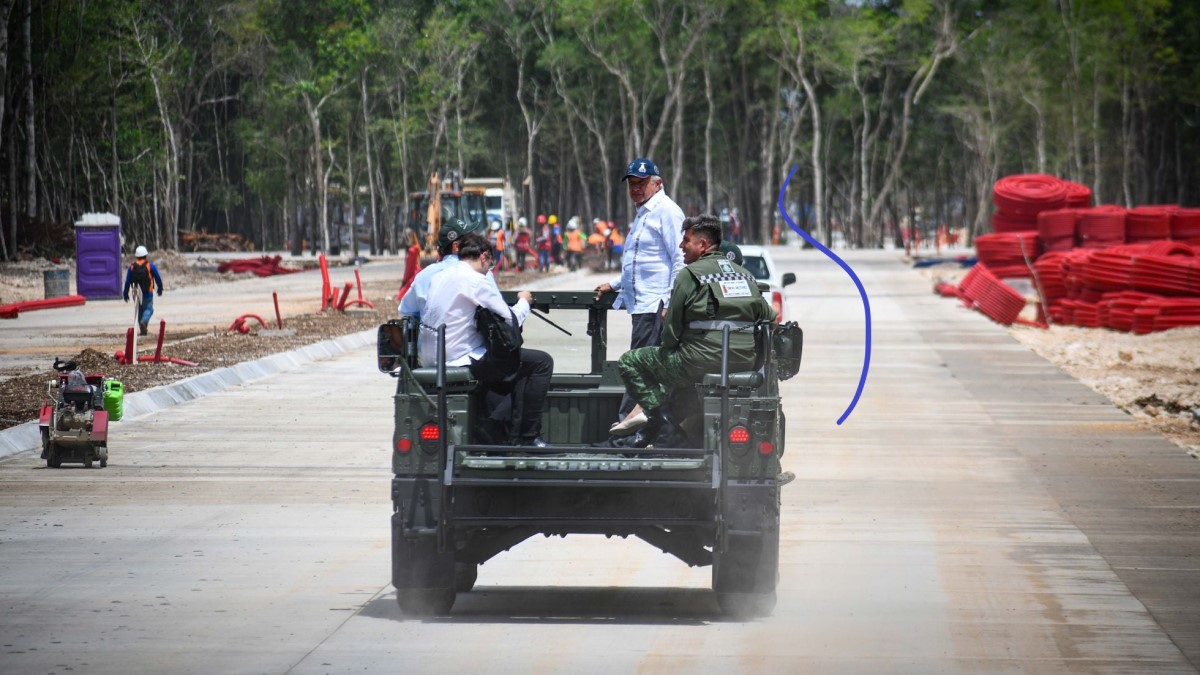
(98, 256)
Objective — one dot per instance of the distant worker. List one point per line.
(574, 246)
(145, 274)
(498, 238)
(523, 243)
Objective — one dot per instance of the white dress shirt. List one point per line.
(418, 291)
(651, 257)
(453, 296)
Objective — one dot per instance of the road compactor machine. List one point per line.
(715, 500)
(73, 420)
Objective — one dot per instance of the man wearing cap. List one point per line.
(452, 230)
(650, 259)
(145, 275)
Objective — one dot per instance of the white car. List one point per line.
(757, 260)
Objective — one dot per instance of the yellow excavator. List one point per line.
(444, 199)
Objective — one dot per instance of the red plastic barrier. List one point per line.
(265, 266)
(358, 303)
(240, 323)
(341, 305)
(326, 287)
(278, 317)
(1002, 222)
(1101, 226)
(1027, 195)
(1078, 196)
(1185, 225)
(11, 310)
(1008, 254)
(1147, 223)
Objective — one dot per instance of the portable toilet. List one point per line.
(98, 256)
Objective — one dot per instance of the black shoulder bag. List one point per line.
(502, 335)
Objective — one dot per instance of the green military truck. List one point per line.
(457, 503)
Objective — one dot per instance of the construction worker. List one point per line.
(497, 237)
(145, 274)
(574, 246)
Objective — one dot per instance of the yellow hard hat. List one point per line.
(553, 219)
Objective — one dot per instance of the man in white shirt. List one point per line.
(651, 257)
(448, 237)
(514, 408)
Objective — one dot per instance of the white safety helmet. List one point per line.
(522, 222)
(495, 225)
(140, 252)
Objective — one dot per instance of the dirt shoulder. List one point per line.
(1154, 377)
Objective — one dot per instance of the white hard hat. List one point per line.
(140, 252)
(522, 222)
(495, 225)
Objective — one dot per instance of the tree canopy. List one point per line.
(290, 121)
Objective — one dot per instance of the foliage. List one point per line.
(254, 116)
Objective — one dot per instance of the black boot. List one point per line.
(655, 421)
(144, 328)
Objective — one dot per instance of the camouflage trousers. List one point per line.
(652, 373)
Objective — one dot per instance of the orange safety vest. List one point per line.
(575, 241)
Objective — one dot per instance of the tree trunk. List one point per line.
(30, 136)
(709, 181)
(5, 10)
(374, 212)
(314, 122)
(766, 186)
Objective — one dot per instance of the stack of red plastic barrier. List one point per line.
(983, 290)
(1101, 226)
(1185, 226)
(1022, 197)
(1056, 229)
(266, 266)
(1078, 196)
(1008, 254)
(1051, 282)
(1147, 223)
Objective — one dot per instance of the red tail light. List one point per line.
(430, 433)
(766, 448)
(403, 445)
(739, 435)
(777, 305)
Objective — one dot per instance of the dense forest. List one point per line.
(277, 119)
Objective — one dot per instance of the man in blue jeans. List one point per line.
(144, 274)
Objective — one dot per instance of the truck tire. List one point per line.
(745, 574)
(745, 577)
(465, 576)
(424, 577)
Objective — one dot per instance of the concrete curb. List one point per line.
(27, 436)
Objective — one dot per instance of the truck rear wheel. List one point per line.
(424, 577)
(421, 602)
(465, 576)
(746, 573)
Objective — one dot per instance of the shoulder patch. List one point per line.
(725, 266)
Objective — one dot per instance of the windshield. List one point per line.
(756, 266)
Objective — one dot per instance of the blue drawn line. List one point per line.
(862, 378)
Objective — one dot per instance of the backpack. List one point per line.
(502, 335)
(140, 275)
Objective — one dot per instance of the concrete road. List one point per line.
(978, 512)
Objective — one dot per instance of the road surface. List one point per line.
(979, 511)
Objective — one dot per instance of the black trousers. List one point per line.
(513, 410)
(647, 332)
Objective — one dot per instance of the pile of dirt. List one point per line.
(21, 397)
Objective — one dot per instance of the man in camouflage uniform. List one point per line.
(709, 293)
